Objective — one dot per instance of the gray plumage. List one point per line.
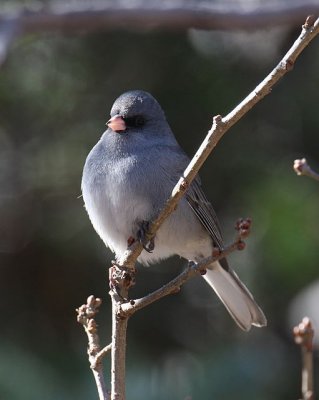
(127, 177)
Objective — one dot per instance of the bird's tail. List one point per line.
(235, 296)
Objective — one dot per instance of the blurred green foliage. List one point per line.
(55, 94)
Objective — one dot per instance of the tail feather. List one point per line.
(235, 296)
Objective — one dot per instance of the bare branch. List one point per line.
(86, 314)
(119, 328)
(122, 274)
(303, 334)
(169, 15)
(302, 168)
(101, 354)
(219, 128)
(193, 269)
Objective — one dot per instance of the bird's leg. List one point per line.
(148, 245)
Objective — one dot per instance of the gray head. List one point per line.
(137, 102)
(136, 113)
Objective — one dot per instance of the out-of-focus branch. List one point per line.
(9, 29)
(86, 314)
(303, 335)
(302, 167)
(145, 15)
(174, 15)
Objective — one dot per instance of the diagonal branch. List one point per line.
(123, 272)
(220, 126)
(193, 269)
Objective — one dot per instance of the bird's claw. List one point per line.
(148, 245)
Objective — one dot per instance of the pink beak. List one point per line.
(116, 123)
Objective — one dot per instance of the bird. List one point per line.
(127, 177)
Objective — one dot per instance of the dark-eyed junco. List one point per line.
(127, 177)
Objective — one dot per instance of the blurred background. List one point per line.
(56, 90)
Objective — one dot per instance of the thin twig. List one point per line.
(102, 353)
(86, 314)
(302, 168)
(193, 269)
(303, 334)
(174, 285)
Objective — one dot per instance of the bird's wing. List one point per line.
(195, 196)
(229, 288)
(204, 211)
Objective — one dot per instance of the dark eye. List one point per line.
(134, 122)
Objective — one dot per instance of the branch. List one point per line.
(122, 274)
(119, 328)
(86, 314)
(303, 335)
(101, 354)
(302, 168)
(122, 310)
(193, 269)
(9, 29)
(147, 14)
(220, 126)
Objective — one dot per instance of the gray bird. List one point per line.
(127, 177)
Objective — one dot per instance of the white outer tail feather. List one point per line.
(235, 296)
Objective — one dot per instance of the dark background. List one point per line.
(55, 95)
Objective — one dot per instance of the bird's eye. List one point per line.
(134, 122)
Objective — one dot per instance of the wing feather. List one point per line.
(204, 211)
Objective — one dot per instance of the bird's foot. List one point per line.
(148, 245)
